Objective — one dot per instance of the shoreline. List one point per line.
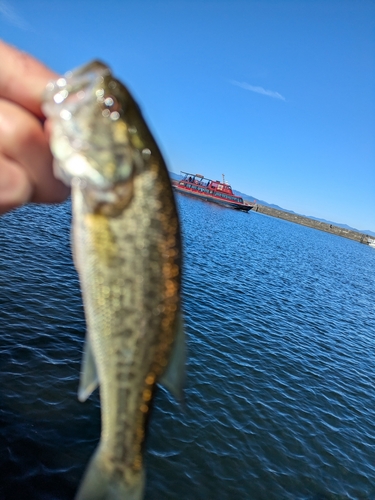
(315, 224)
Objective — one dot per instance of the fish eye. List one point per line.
(111, 104)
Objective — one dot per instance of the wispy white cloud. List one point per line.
(10, 15)
(258, 90)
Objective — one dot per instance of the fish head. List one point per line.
(91, 139)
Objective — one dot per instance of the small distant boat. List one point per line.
(371, 243)
(208, 190)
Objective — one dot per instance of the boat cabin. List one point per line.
(216, 188)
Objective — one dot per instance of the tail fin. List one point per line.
(97, 484)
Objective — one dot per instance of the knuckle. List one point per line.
(18, 128)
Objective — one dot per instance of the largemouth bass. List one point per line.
(127, 251)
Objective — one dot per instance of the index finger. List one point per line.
(23, 78)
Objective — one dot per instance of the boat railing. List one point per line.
(204, 189)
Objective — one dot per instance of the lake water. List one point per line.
(280, 395)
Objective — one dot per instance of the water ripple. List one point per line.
(280, 396)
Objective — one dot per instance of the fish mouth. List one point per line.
(77, 81)
(84, 127)
(89, 141)
(79, 87)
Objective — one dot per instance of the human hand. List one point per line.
(25, 158)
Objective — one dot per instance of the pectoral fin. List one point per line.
(173, 377)
(89, 380)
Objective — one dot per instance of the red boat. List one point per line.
(206, 189)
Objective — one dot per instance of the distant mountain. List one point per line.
(247, 197)
(261, 202)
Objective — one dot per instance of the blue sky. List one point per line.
(277, 95)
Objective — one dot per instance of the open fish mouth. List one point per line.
(89, 135)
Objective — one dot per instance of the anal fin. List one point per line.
(173, 377)
(89, 380)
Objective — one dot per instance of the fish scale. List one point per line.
(129, 304)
